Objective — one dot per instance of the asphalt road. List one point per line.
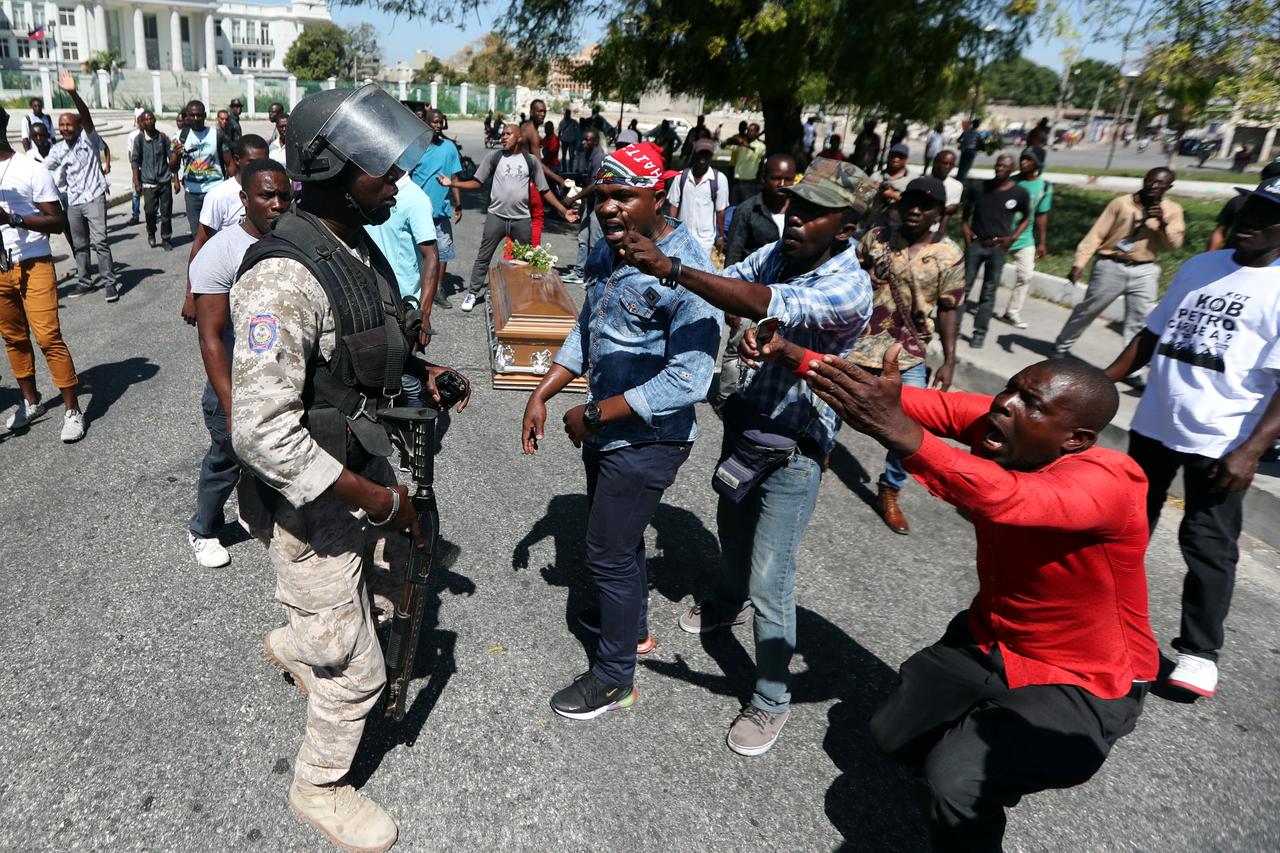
(139, 713)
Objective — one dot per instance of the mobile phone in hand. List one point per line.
(765, 330)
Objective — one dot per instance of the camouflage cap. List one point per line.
(834, 184)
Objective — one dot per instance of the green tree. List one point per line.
(319, 52)
(1020, 81)
(1092, 78)
(904, 57)
(492, 59)
(364, 56)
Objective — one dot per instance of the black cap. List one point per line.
(1033, 155)
(929, 187)
(1268, 190)
(1272, 169)
(900, 149)
(235, 102)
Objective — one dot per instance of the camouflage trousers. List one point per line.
(333, 579)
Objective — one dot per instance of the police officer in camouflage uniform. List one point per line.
(320, 346)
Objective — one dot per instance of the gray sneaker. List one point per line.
(704, 617)
(24, 414)
(755, 730)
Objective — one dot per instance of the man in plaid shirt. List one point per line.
(812, 283)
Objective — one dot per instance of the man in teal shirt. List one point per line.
(440, 158)
(408, 241)
(1031, 244)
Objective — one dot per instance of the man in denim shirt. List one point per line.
(811, 281)
(651, 353)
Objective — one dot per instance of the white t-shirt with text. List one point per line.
(1217, 363)
(23, 183)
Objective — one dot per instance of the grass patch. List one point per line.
(1074, 212)
(1221, 176)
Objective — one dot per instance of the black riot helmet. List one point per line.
(365, 127)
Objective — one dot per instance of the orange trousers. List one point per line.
(29, 305)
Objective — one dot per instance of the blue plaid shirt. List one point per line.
(824, 310)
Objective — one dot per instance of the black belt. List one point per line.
(1125, 261)
(806, 446)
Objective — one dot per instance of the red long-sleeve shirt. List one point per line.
(1062, 580)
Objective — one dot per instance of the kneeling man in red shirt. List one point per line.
(1031, 686)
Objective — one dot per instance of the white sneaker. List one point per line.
(24, 414)
(209, 552)
(469, 302)
(72, 426)
(1196, 675)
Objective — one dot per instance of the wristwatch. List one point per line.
(17, 220)
(591, 416)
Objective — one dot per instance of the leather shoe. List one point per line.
(887, 506)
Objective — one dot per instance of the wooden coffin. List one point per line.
(530, 314)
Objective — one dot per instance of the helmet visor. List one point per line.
(375, 132)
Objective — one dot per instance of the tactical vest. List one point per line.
(342, 395)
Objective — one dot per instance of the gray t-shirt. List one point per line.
(214, 269)
(509, 195)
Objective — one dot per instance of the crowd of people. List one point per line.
(319, 255)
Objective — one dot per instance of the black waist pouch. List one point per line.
(754, 447)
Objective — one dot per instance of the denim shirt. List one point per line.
(653, 344)
(824, 310)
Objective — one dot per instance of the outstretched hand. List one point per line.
(67, 81)
(868, 403)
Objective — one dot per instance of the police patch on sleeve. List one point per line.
(262, 332)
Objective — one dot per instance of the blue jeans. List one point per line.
(136, 202)
(895, 476)
(759, 538)
(412, 391)
(219, 471)
(624, 488)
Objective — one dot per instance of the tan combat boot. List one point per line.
(276, 645)
(354, 823)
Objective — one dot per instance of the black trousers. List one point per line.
(988, 260)
(624, 488)
(982, 746)
(160, 196)
(1209, 534)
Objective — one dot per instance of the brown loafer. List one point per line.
(887, 506)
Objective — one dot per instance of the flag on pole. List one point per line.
(36, 33)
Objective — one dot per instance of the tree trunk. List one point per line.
(782, 124)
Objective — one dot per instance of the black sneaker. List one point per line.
(133, 220)
(112, 293)
(589, 618)
(80, 290)
(977, 342)
(151, 240)
(442, 300)
(166, 245)
(588, 697)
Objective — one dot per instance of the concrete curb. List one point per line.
(1261, 507)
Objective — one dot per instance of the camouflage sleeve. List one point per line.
(279, 313)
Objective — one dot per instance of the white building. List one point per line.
(185, 35)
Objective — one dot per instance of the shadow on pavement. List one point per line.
(106, 383)
(435, 661)
(1026, 342)
(874, 801)
(851, 472)
(131, 277)
(683, 548)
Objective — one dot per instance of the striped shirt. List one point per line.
(80, 164)
(824, 310)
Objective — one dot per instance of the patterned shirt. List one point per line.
(932, 279)
(81, 167)
(823, 310)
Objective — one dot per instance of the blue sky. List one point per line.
(400, 37)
